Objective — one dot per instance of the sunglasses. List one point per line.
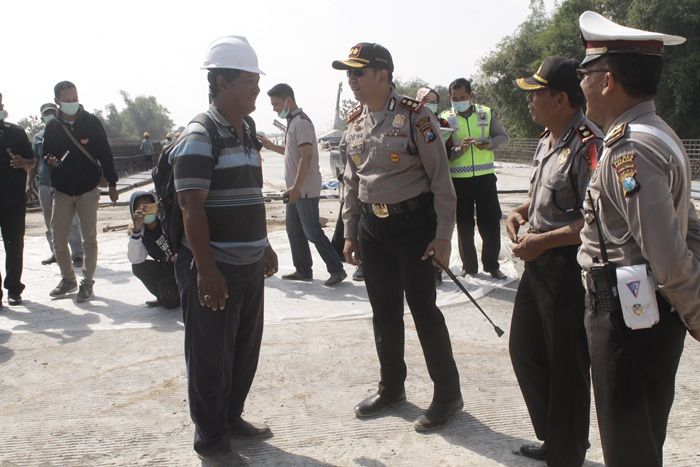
(355, 72)
(582, 72)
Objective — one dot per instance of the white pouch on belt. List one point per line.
(636, 289)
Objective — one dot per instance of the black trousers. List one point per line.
(159, 278)
(634, 375)
(391, 251)
(12, 229)
(549, 353)
(221, 348)
(482, 192)
(338, 240)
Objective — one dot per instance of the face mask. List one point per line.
(431, 106)
(149, 218)
(285, 111)
(70, 108)
(47, 118)
(461, 106)
(3, 115)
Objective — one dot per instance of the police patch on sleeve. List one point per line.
(428, 135)
(626, 168)
(423, 121)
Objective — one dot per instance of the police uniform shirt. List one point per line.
(642, 194)
(394, 155)
(561, 174)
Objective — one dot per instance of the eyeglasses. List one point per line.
(582, 72)
(355, 72)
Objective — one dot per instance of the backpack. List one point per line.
(164, 183)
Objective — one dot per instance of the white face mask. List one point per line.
(431, 106)
(3, 115)
(47, 118)
(70, 108)
(461, 106)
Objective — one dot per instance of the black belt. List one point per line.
(383, 210)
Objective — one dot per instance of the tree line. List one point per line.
(541, 35)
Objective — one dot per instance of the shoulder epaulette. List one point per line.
(615, 134)
(411, 104)
(354, 113)
(544, 133)
(585, 133)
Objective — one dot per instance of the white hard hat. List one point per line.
(233, 52)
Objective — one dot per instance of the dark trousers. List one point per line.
(159, 278)
(549, 353)
(634, 375)
(303, 226)
(391, 251)
(482, 192)
(338, 240)
(12, 229)
(221, 348)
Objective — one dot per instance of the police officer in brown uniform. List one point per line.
(640, 244)
(547, 337)
(399, 211)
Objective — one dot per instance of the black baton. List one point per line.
(498, 330)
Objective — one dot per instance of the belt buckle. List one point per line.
(380, 210)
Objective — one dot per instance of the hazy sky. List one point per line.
(157, 47)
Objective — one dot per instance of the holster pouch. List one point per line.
(636, 289)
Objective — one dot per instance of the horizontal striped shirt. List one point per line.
(235, 207)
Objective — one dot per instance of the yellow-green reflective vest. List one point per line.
(473, 162)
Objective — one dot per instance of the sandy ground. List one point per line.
(71, 395)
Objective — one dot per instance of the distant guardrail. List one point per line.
(522, 149)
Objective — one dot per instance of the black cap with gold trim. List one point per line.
(366, 55)
(556, 73)
(602, 36)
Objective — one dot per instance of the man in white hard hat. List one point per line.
(640, 244)
(224, 254)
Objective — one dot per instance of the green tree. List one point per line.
(540, 36)
(140, 114)
(32, 125)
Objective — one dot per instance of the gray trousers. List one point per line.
(65, 207)
(74, 239)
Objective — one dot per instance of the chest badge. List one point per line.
(564, 155)
(394, 157)
(84, 141)
(399, 121)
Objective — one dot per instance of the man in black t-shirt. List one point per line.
(16, 159)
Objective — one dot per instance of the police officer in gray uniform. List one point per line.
(640, 244)
(399, 211)
(547, 337)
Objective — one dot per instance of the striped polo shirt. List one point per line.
(235, 207)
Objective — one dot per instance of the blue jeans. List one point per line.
(303, 227)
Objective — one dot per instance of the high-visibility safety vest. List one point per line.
(473, 162)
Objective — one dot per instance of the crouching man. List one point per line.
(147, 240)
